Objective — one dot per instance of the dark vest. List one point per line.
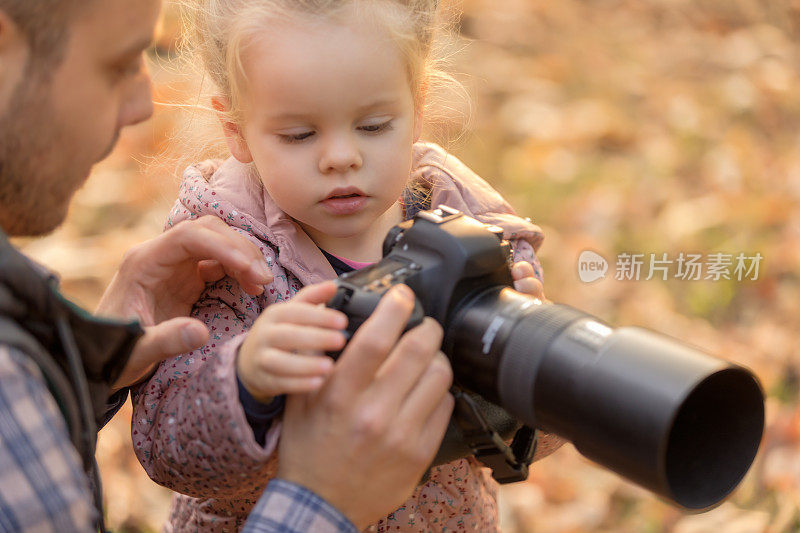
(79, 355)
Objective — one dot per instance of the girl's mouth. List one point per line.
(344, 201)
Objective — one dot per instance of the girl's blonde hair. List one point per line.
(216, 33)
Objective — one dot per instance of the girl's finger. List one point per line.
(283, 364)
(290, 385)
(522, 269)
(293, 337)
(319, 293)
(530, 286)
(307, 314)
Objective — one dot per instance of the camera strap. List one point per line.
(509, 464)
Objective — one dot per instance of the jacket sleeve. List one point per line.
(189, 429)
(289, 508)
(42, 484)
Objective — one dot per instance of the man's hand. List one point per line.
(363, 441)
(160, 280)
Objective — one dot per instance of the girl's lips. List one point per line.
(347, 205)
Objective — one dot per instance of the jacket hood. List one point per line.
(232, 191)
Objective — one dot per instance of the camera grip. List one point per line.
(359, 306)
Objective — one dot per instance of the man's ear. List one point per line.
(233, 131)
(14, 53)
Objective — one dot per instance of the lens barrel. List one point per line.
(669, 417)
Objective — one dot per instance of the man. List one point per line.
(71, 76)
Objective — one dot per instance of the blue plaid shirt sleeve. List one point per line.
(42, 485)
(289, 508)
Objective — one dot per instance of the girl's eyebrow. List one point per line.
(289, 116)
(293, 115)
(377, 103)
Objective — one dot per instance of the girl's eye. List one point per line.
(128, 69)
(376, 128)
(296, 137)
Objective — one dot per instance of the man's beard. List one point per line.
(36, 181)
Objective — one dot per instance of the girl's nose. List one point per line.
(340, 154)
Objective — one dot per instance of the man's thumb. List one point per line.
(168, 339)
(171, 338)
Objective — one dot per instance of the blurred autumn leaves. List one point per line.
(664, 126)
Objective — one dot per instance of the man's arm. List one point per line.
(42, 485)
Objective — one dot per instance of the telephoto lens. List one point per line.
(669, 417)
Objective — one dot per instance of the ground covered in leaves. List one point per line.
(622, 127)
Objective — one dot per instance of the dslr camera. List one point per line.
(665, 415)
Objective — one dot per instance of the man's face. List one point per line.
(54, 126)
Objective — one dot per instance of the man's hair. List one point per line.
(45, 24)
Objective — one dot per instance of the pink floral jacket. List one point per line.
(189, 429)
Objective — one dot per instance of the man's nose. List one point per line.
(138, 104)
(340, 153)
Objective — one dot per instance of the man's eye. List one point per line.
(376, 128)
(296, 137)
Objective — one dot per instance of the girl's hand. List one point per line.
(284, 351)
(525, 280)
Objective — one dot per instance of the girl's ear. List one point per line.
(419, 115)
(233, 131)
(418, 118)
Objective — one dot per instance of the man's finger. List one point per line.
(168, 339)
(432, 433)
(374, 340)
(240, 258)
(409, 361)
(210, 270)
(428, 391)
(210, 238)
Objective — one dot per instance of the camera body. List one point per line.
(447, 259)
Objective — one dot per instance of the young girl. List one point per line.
(322, 105)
